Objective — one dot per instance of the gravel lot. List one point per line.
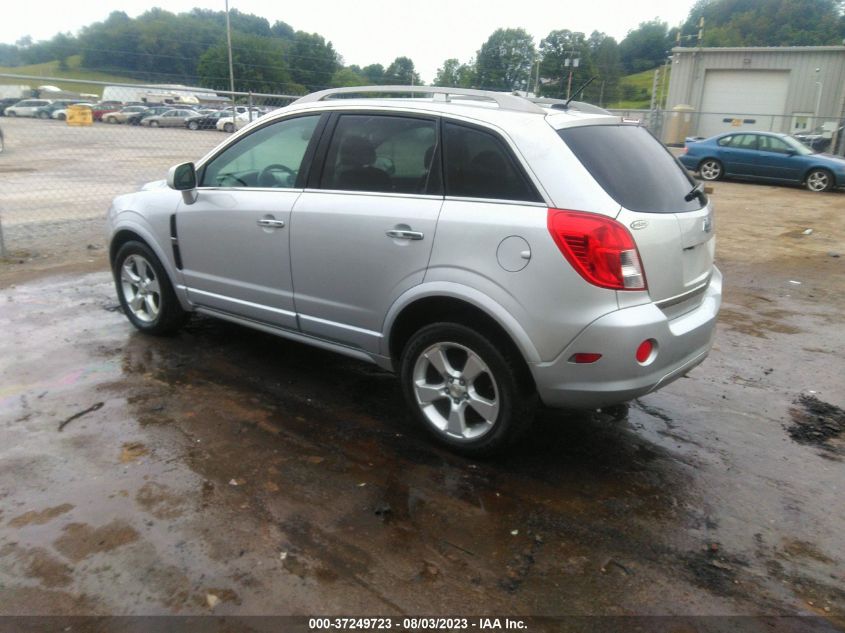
(57, 181)
(226, 472)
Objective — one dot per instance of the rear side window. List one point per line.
(633, 167)
(479, 165)
(388, 154)
(744, 141)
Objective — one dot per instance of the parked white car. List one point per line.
(61, 113)
(27, 107)
(226, 124)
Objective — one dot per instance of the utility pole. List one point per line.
(572, 63)
(231, 71)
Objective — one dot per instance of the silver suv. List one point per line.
(493, 251)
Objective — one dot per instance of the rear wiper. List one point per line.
(696, 192)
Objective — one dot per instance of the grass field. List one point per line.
(51, 69)
(641, 83)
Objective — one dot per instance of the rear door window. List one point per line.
(478, 164)
(633, 167)
(744, 141)
(382, 154)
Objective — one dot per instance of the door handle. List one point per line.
(404, 235)
(272, 224)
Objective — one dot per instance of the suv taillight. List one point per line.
(599, 248)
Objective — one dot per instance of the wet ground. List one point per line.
(224, 471)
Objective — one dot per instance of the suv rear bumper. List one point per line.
(682, 343)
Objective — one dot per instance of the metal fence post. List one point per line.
(2, 241)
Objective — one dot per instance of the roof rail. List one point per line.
(504, 100)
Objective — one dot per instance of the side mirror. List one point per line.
(183, 178)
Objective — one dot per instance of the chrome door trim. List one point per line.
(249, 304)
(341, 326)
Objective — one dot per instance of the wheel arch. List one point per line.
(131, 231)
(707, 157)
(444, 304)
(817, 167)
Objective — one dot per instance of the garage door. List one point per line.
(743, 100)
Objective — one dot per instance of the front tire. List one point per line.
(228, 128)
(145, 291)
(819, 180)
(193, 125)
(153, 123)
(464, 391)
(711, 169)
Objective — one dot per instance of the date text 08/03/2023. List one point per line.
(416, 624)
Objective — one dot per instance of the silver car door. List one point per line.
(234, 239)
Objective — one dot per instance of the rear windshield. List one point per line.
(633, 167)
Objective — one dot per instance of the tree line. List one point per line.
(191, 48)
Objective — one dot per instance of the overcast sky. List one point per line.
(377, 31)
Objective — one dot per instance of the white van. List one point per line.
(27, 107)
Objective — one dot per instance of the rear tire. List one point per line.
(819, 180)
(145, 291)
(464, 391)
(711, 169)
(228, 128)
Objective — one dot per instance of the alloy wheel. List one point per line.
(140, 288)
(710, 170)
(818, 181)
(456, 391)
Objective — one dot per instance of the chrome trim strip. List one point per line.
(341, 326)
(671, 301)
(379, 194)
(249, 304)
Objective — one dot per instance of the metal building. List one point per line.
(782, 89)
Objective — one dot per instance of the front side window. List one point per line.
(378, 153)
(479, 165)
(269, 157)
(774, 144)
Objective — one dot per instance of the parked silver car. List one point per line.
(123, 115)
(171, 118)
(493, 252)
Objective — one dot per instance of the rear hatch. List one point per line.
(674, 236)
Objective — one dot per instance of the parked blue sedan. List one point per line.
(764, 156)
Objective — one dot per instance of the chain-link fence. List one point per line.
(57, 179)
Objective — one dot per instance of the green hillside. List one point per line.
(51, 69)
(636, 90)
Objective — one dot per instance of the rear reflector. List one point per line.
(644, 350)
(583, 357)
(599, 248)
